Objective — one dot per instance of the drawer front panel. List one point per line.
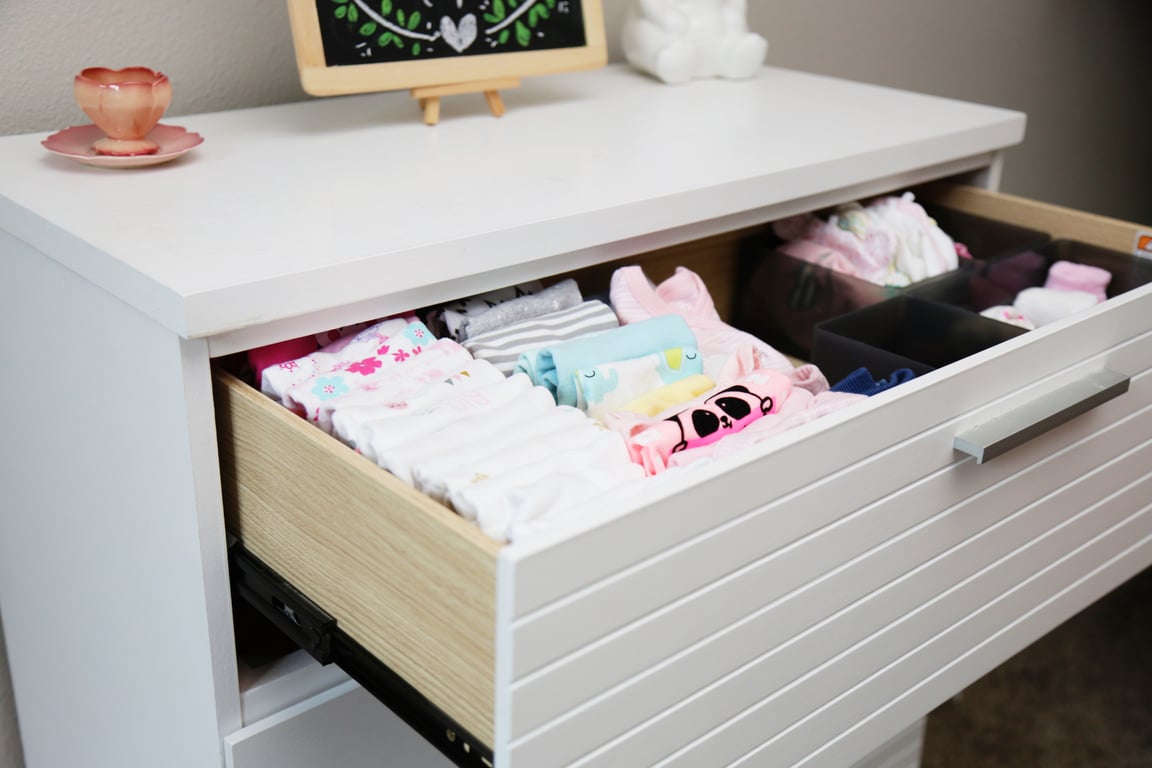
(771, 648)
(947, 677)
(737, 571)
(559, 572)
(748, 607)
(1039, 580)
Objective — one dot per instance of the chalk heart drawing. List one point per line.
(461, 35)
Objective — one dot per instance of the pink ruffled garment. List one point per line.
(729, 353)
(850, 241)
(921, 248)
(890, 241)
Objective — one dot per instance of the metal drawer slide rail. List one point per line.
(310, 627)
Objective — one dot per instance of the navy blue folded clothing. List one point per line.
(861, 382)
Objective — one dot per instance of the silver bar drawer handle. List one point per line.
(1003, 433)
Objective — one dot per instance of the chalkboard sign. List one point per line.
(350, 46)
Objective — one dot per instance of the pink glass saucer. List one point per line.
(76, 143)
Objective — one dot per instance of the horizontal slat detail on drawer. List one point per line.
(771, 647)
(744, 714)
(825, 510)
(1077, 562)
(551, 572)
(404, 577)
(953, 676)
(559, 688)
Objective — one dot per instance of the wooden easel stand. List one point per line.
(429, 96)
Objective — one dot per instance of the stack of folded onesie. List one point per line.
(890, 241)
(543, 399)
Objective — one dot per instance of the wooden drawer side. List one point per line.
(1056, 220)
(404, 577)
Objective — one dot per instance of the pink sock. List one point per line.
(1070, 276)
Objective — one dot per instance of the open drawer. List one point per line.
(800, 603)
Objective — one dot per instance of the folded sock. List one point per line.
(1008, 314)
(1047, 305)
(1071, 276)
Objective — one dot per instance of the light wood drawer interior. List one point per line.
(415, 584)
(407, 578)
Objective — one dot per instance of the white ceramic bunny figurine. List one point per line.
(677, 40)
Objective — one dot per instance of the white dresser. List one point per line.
(805, 603)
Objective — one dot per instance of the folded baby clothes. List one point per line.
(920, 248)
(669, 395)
(554, 298)
(559, 500)
(861, 381)
(409, 394)
(503, 346)
(393, 373)
(277, 354)
(684, 294)
(849, 241)
(440, 454)
(484, 501)
(451, 317)
(608, 386)
(277, 379)
(890, 241)
(704, 421)
(555, 366)
(508, 456)
(1072, 276)
(800, 408)
(283, 352)
(378, 438)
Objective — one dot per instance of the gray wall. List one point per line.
(1077, 69)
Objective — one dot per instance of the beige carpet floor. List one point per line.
(1080, 697)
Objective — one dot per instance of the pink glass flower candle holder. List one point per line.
(124, 103)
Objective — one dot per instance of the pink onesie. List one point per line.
(729, 353)
(721, 412)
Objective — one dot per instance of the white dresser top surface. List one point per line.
(299, 208)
